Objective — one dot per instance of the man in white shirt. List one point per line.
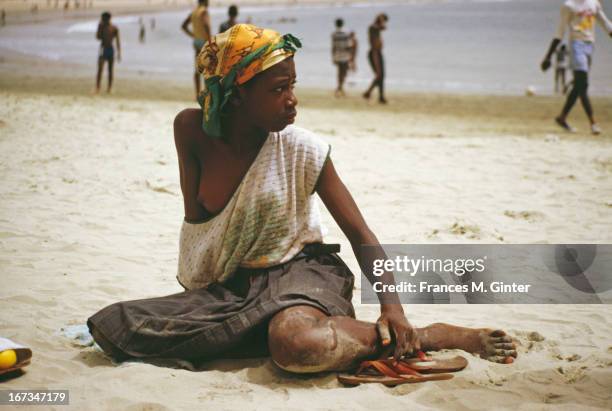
(579, 17)
(341, 54)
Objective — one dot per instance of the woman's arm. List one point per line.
(564, 20)
(343, 208)
(189, 166)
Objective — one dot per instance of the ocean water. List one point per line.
(468, 46)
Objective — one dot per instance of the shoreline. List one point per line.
(19, 12)
(479, 114)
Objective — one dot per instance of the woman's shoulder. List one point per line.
(188, 128)
(187, 117)
(301, 137)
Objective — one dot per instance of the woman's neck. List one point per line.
(243, 138)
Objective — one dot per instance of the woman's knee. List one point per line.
(307, 348)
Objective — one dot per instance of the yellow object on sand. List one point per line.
(13, 356)
(8, 358)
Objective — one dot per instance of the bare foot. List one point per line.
(489, 344)
(495, 346)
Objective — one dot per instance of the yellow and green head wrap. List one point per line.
(232, 58)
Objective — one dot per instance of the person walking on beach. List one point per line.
(199, 20)
(258, 278)
(560, 68)
(578, 17)
(375, 57)
(354, 48)
(141, 31)
(232, 13)
(107, 33)
(3, 18)
(341, 54)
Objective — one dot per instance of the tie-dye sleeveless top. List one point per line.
(269, 218)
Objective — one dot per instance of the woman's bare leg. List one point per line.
(304, 339)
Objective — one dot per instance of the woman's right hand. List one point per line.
(392, 320)
(545, 65)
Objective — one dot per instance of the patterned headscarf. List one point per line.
(232, 58)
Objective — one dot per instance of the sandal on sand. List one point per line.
(391, 373)
(13, 356)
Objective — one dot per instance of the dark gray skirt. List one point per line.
(227, 319)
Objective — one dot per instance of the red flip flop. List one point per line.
(390, 372)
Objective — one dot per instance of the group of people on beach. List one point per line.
(344, 52)
(578, 17)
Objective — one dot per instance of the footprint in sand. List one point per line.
(159, 189)
(604, 164)
(530, 216)
(530, 340)
(471, 231)
(571, 374)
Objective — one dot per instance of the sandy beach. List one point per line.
(90, 213)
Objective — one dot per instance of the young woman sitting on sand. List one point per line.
(258, 278)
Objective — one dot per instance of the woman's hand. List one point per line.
(392, 318)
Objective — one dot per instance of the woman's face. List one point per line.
(268, 101)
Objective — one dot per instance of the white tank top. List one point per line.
(269, 218)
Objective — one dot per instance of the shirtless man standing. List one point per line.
(106, 33)
(375, 57)
(199, 20)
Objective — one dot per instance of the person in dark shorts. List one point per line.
(232, 13)
(258, 278)
(341, 54)
(375, 57)
(107, 33)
